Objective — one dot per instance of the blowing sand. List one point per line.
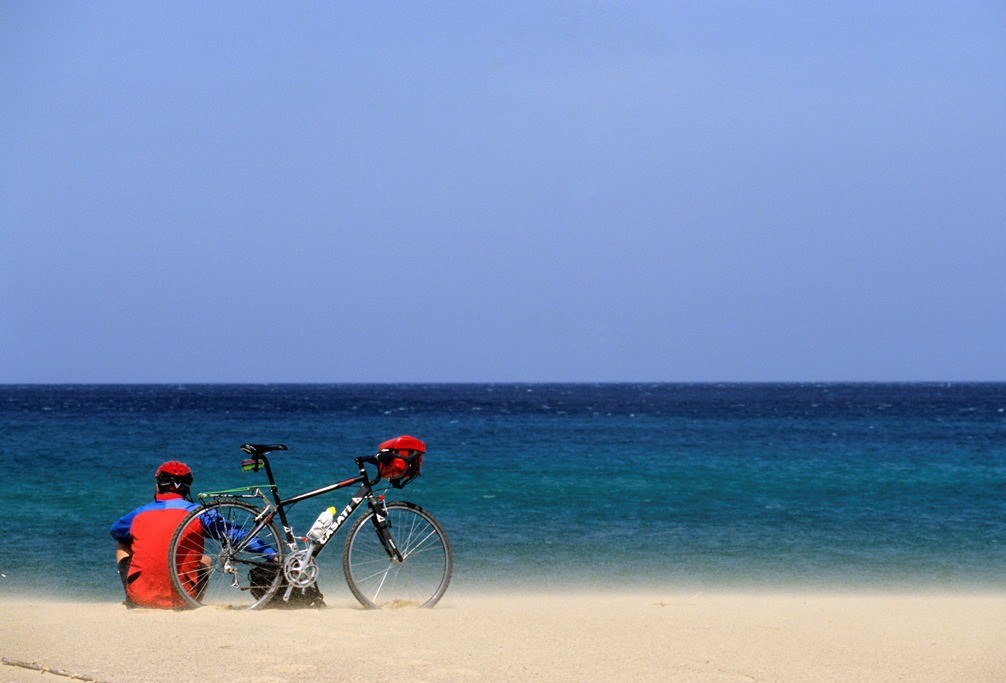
(556, 637)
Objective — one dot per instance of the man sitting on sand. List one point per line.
(143, 537)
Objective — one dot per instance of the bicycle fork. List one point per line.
(383, 526)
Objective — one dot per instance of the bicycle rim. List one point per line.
(220, 556)
(420, 580)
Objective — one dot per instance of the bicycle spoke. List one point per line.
(409, 551)
(380, 584)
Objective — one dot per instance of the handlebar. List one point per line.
(369, 460)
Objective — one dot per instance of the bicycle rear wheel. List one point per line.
(378, 580)
(219, 555)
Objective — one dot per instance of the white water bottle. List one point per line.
(321, 524)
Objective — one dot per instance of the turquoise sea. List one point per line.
(548, 486)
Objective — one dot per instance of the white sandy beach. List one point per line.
(557, 637)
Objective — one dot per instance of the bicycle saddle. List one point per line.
(256, 449)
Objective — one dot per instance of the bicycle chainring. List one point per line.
(300, 569)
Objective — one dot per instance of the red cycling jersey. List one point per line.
(148, 530)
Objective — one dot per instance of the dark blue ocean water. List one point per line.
(689, 486)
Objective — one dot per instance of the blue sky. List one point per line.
(352, 192)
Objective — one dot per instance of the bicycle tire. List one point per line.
(210, 564)
(376, 580)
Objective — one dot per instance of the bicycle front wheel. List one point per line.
(224, 555)
(378, 579)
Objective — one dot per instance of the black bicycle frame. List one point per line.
(365, 493)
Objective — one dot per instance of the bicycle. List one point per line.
(230, 553)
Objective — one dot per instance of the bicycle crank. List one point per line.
(300, 569)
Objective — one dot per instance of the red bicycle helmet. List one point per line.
(173, 477)
(401, 457)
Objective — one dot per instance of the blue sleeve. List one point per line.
(120, 530)
(219, 529)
